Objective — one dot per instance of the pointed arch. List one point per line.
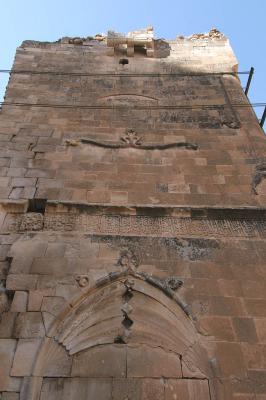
(116, 325)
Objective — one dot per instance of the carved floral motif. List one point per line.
(83, 280)
(128, 259)
(131, 138)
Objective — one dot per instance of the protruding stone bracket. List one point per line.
(142, 39)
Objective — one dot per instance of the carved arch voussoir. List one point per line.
(129, 309)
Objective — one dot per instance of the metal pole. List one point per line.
(263, 118)
(251, 72)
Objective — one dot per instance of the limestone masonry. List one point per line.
(132, 199)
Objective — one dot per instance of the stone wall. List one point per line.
(132, 224)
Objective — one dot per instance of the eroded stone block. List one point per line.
(24, 357)
(29, 325)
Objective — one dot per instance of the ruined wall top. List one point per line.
(200, 51)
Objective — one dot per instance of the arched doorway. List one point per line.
(123, 340)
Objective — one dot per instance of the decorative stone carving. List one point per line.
(109, 312)
(31, 222)
(128, 260)
(83, 280)
(173, 282)
(260, 174)
(72, 142)
(130, 225)
(228, 119)
(213, 34)
(131, 139)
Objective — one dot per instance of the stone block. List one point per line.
(20, 182)
(21, 281)
(135, 389)
(21, 264)
(83, 389)
(30, 388)
(36, 298)
(28, 248)
(231, 361)
(260, 324)
(219, 327)
(256, 307)
(55, 250)
(24, 357)
(53, 305)
(7, 350)
(104, 361)
(54, 361)
(7, 324)
(187, 389)
(10, 396)
(144, 361)
(44, 266)
(245, 330)
(19, 303)
(29, 325)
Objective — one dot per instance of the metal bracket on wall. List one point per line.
(263, 118)
(251, 73)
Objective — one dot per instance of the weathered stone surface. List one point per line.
(108, 361)
(143, 361)
(29, 325)
(55, 361)
(186, 389)
(138, 389)
(71, 388)
(7, 324)
(7, 350)
(36, 298)
(24, 357)
(159, 179)
(10, 396)
(19, 303)
(21, 281)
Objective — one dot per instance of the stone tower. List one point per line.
(132, 223)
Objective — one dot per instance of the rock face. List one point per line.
(132, 222)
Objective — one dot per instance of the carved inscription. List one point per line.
(154, 226)
(139, 225)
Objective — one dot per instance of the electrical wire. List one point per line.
(10, 71)
(166, 107)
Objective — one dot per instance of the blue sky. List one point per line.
(48, 20)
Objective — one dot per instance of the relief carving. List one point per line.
(108, 315)
(173, 283)
(128, 260)
(132, 140)
(31, 222)
(82, 280)
(259, 175)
